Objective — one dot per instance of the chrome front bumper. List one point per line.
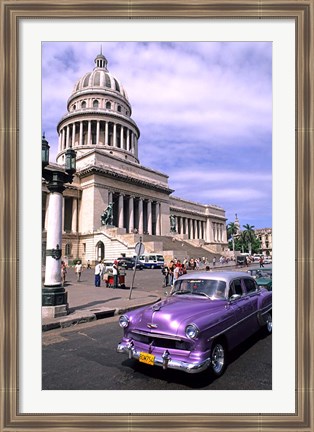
(165, 360)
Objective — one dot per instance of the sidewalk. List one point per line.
(88, 303)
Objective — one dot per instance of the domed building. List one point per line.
(99, 127)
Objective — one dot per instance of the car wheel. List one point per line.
(269, 323)
(152, 266)
(218, 359)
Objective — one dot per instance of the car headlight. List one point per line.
(123, 321)
(191, 331)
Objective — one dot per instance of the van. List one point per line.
(152, 261)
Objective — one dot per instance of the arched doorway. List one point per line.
(100, 251)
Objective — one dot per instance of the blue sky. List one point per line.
(204, 110)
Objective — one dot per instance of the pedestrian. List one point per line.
(171, 268)
(261, 262)
(165, 272)
(88, 265)
(115, 273)
(214, 261)
(247, 260)
(63, 272)
(78, 271)
(98, 273)
(177, 272)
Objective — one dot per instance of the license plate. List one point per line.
(147, 358)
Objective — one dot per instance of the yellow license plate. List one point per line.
(147, 358)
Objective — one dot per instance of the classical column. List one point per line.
(73, 135)
(106, 132)
(120, 224)
(158, 219)
(114, 135)
(46, 211)
(74, 214)
(60, 142)
(63, 139)
(97, 132)
(89, 132)
(149, 217)
(110, 197)
(208, 236)
(121, 137)
(68, 137)
(140, 216)
(81, 134)
(128, 139)
(131, 213)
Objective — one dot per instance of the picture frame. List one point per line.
(11, 13)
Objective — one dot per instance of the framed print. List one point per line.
(17, 18)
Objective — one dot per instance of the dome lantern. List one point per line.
(101, 61)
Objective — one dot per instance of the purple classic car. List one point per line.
(206, 315)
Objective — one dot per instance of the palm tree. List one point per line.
(248, 236)
(232, 229)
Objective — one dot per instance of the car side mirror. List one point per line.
(234, 297)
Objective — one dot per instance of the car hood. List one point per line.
(170, 316)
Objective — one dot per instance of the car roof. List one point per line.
(226, 276)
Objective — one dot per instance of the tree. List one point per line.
(232, 229)
(248, 237)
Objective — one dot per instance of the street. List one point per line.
(85, 358)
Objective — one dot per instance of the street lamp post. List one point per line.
(54, 296)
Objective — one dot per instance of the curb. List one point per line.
(83, 317)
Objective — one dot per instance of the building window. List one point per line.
(84, 248)
(74, 107)
(83, 105)
(95, 104)
(108, 105)
(68, 214)
(68, 249)
(119, 108)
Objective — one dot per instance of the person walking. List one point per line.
(98, 273)
(261, 262)
(115, 272)
(78, 271)
(63, 272)
(165, 272)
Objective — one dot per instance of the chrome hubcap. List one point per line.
(218, 358)
(269, 323)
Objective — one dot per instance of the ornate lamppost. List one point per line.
(54, 296)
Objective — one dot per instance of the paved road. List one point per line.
(85, 358)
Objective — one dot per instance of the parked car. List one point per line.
(265, 281)
(129, 263)
(152, 261)
(206, 315)
(268, 260)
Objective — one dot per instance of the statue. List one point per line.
(173, 223)
(107, 216)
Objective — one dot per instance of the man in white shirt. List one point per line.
(98, 273)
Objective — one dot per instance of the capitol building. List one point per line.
(99, 126)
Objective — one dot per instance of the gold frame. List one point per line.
(301, 11)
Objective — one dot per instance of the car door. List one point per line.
(243, 308)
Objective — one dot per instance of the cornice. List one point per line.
(93, 169)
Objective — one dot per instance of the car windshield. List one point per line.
(214, 289)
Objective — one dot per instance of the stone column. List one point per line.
(128, 139)
(67, 144)
(54, 239)
(120, 223)
(73, 135)
(60, 142)
(63, 139)
(89, 132)
(140, 216)
(47, 212)
(149, 217)
(97, 132)
(158, 230)
(106, 132)
(114, 135)
(81, 133)
(74, 214)
(208, 236)
(121, 137)
(110, 197)
(131, 213)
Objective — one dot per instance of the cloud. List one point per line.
(204, 111)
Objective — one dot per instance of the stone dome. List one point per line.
(99, 79)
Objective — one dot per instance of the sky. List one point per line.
(204, 110)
